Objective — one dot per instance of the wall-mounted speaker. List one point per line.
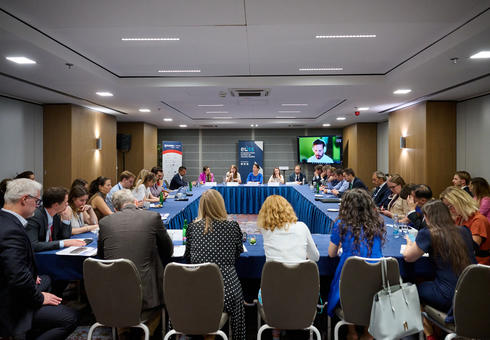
(123, 142)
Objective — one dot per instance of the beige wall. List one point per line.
(70, 132)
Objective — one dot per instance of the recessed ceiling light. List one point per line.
(285, 117)
(402, 91)
(294, 104)
(150, 39)
(288, 111)
(179, 71)
(216, 111)
(322, 69)
(340, 118)
(21, 60)
(254, 125)
(326, 124)
(345, 36)
(362, 108)
(210, 105)
(222, 117)
(167, 119)
(481, 55)
(104, 94)
(183, 125)
(144, 110)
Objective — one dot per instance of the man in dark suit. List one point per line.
(26, 306)
(381, 193)
(297, 176)
(140, 236)
(354, 182)
(178, 180)
(50, 227)
(462, 179)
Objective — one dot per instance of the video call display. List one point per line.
(320, 150)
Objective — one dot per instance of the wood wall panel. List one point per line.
(135, 156)
(349, 144)
(57, 145)
(150, 143)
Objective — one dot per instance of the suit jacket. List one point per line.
(292, 177)
(467, 189)
(176, 182)
(37, 227)
(382, 197)
(19, 294)
(358, 184)
(140, 236)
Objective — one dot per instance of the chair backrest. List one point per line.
(290, 294)
(114, 291)
(472, 302)
(359, 282)
(194, 297)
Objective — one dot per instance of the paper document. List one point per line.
(245, 249)
(175, 234)
(164, 216)
(179, 251)
(402, 250)
(78, 251)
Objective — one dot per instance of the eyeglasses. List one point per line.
(392, 186)
(37, 200)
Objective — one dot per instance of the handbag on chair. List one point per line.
(395, 312)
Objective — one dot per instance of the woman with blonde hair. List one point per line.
(276, 176)
(285, 239)
(464, 211)
(212, 238)
(401, 203)
(142, 190)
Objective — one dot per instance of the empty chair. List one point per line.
(194, 296)
(114, 292)
(289, 296)
(471, 305)
(359, 282)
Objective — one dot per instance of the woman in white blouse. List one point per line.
(276, 176)
(285, 239)
(141, 191)
(83, 216)
(233, 175)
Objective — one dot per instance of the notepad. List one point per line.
(179, 251)
(175, 234)
(78, 251)
(164, 216)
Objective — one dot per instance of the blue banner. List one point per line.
(249, 153)
(171, 158)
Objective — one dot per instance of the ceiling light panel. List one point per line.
(21, 60)
(481, 55)
(321, 69)
(402, 91)
(179, 71)
(210, 105)
(345, 36)
(167, 119)
(144, 110)
(294, 104)
(104, 94)
(151, 39)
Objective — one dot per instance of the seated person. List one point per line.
(159, 185)
(421, 195)
(142, 191)
(328, 179)
(99, 188)
(126, 181)
(317, 175)
(28, 311)
(450, 248)
(80, 182)
(360, 232)
(381, 193)
(206, 175)
(297, 176)
(341, 186)
(401, 203)
(140, 236)
(481, 193)
(461, 179)
(255, 175)
(178, 179)
(276, 176)
(464, 211)
(50, 226)
(83, 216)
(354, 182)
(233, 175)
(26, 174)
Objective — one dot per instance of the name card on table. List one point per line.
(292, 183)
(252, 184)
(273, 184)
(231, 184)
(210, 184)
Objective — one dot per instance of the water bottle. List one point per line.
(161, 198)
(190, 186)
(396, 227)
(184, 233)
(317, 187)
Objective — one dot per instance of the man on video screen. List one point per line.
(319, 156)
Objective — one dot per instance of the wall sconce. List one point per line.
(403, 142)
(98, 144)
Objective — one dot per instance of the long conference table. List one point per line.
(245, 199)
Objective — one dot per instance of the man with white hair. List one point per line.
(25, 308)
(140, 236)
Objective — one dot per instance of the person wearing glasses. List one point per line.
(27, 310)
(50, 226)
(401, 203)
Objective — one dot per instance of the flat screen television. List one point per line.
(320, 149)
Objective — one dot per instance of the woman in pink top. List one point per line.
(206, 175)
(481, 193)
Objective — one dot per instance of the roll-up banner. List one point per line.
(250, 152)
(171, 159)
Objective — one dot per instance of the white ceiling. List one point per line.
(244, 44)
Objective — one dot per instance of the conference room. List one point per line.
(244, 169)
